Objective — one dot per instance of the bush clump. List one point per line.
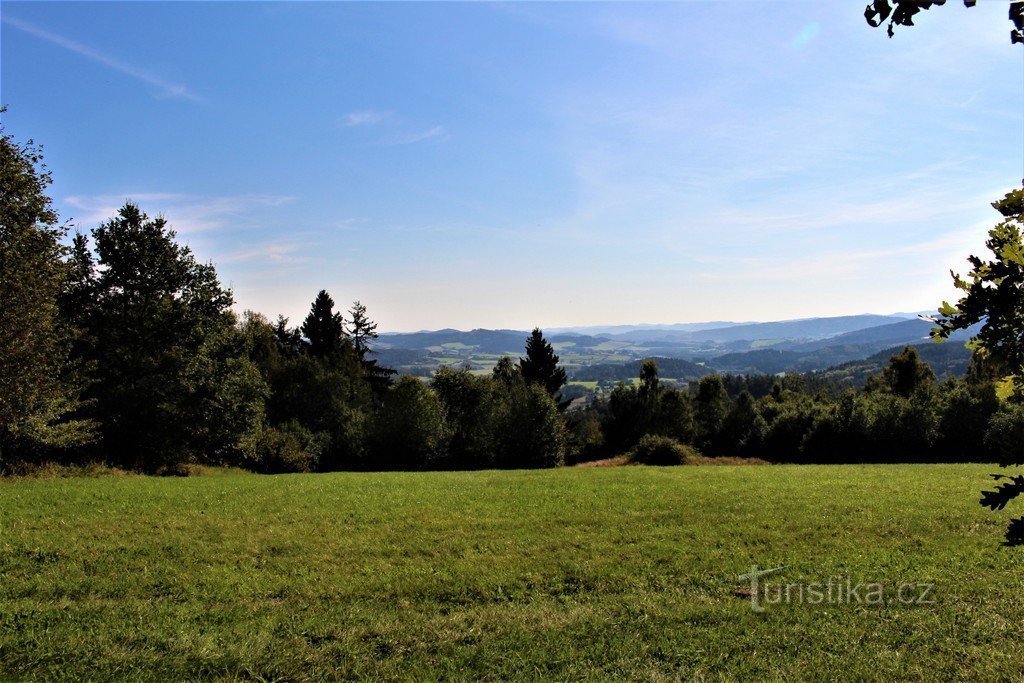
(662, 450)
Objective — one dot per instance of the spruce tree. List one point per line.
(324, 329)
(364, 330)
(541, 364)
(160, 336)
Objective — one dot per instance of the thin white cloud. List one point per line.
(187, 214)
(167, 88)
(413, 138)
(366, 117)
(274, 253)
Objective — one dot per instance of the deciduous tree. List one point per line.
(39, 385)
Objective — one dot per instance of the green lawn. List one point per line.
(567, 574)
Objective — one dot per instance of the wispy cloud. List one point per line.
(166, 88)
(187, 214)
(413, 138)
(273, 253)
(365, 117)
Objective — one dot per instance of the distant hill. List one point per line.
(946, 359)
(905, 332)
(597, 330)
(807, 345)
(807, 329)
(674, 368)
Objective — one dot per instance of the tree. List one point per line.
(470, 406)
(39, 385)
(711, 406)
(541, 365)
(994, 294)
(529, 429)
(902, 12)
(996, 290)
(156, 321)
(743, 429)
(409, 432)
(288, 339)
(907, 374)
(364, 330)
(324, 329)
(506, 372)
(649, 382)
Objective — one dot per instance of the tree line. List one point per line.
(121, 347)
(903, 415)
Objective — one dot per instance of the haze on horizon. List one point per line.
(509, 165)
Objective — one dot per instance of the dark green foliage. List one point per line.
(541, 364)
(323, 327)
(470, 406)
(743, 429)
(408, 432)
(39, 385)
(841, 431)
(907, 374)
(363, 331)
(994, 296)
(288, 340)
(586, 438)
(158, 326)
(967, 408)
(710, 408)
(1005, 436)
(902, 13)
(529, 428)
(227, 396)
(506, 372)
(329, 399)
(661, 450)
(647, 409)
(994, 293)
(287, 448)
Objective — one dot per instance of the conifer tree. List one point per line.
(541, 364)
(160, 327)
(324, 329)
(364, 330)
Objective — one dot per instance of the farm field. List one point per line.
(575, 573)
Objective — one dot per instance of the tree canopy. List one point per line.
(902, 13)
(39, 384)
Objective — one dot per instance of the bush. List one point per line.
(1005, 435)
(662, 450)
(288, 448)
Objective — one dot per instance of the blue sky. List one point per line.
(509, 165)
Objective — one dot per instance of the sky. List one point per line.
(506, 165)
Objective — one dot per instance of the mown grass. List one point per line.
(577, 573)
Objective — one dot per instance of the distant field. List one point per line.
(564, 574)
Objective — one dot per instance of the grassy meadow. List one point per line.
(575, 573)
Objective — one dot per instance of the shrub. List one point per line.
(662, 450)
(1005, 435)
(288, 448)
